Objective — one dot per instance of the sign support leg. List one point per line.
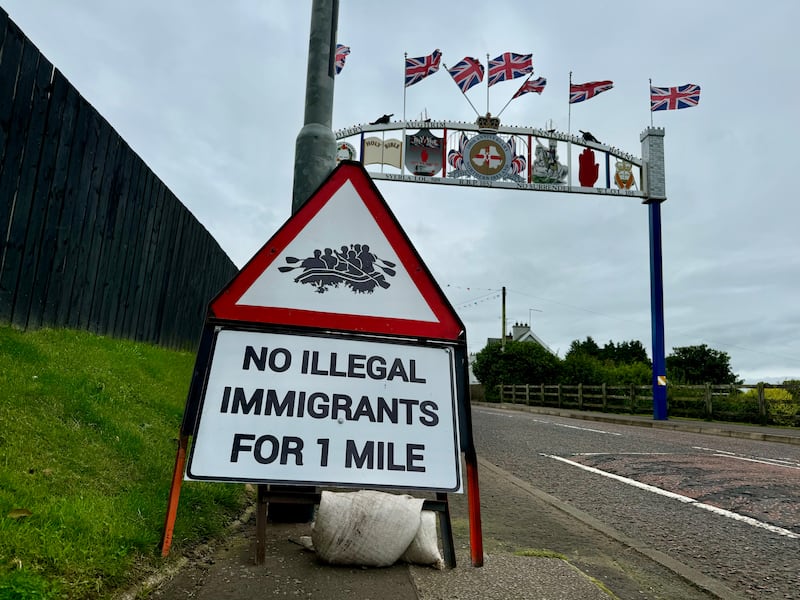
(174, 495)
(470, 456)
(261, 523)
(474, 504)
(442, 506)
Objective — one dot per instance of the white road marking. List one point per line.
(576, 427)
(787, 461)
(495, 412)
(713, 450)
(680, 498)
(623, 454)
(763, 461)
(778, 462)
(499, 414)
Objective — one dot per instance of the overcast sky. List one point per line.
(211, 96)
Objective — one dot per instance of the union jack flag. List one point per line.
(467, 73)
(532, 85)
(341, 54)
(509, 66)
(673, 98)
(418, 69)
(518, 162)
(456, 157)
(583, 91)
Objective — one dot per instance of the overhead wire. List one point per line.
(495, 293)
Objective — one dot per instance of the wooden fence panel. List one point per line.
(170, 289)
(98, 255)
(136, 272)
(192, 266)
(149, 257)
(110, 274)
(84, 145)
(36, 172)
(48, 202)
(10, 53)
(85, 191)
(8, 75)
(90, 238)
(200, 268)
(187, 266)
(174, 224)
(17, 178)
(129, 249)
(43, 132)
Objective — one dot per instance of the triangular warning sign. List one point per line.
(342, 262)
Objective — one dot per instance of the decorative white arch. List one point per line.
(616, 168)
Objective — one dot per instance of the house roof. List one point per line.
(521, 332)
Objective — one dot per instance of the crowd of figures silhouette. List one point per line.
(353, 266)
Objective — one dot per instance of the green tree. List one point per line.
(635, 373)
(519, 362)
(782, 408)
(630, 353)
(624, 353)
(580, 367)
(695, 365)
(588, 347)
(793, 386)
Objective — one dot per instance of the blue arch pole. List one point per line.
(653, 182)
(657, 314)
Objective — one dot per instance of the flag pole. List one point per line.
(569, 133)
(405, 58)
(471, 104)
(569, 107)
(463, 93)
(512, 97)
(487, 83)
(403, 138)
(651, 106)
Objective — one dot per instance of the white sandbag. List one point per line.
(424, 548)
(365, 528)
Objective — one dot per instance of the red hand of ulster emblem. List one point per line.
(588, 169)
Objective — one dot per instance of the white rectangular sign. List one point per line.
(280, 408)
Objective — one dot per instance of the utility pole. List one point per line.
(503, 319)
(314, 159)
(315, 148)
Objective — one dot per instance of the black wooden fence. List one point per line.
(90, 237)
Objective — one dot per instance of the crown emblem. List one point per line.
(623, 165)
(488, 123)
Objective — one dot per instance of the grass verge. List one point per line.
(87, 447)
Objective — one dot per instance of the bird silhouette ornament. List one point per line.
(587, 135)
(382, 120)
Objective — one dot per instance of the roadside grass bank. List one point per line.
(87, 446)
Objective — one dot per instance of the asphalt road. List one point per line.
(728, 508)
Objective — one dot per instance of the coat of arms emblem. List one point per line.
(424, 153)
(487, 157)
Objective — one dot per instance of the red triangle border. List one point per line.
(448, 325)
